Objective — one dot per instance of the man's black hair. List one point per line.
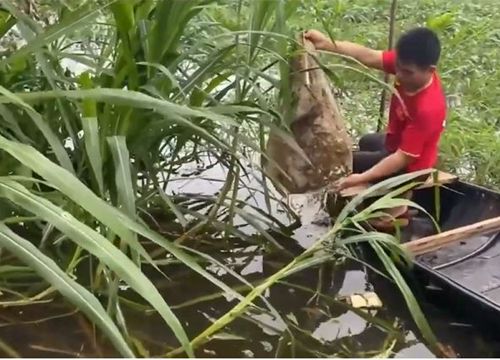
(420, 47)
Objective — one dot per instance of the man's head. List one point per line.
(418, 52)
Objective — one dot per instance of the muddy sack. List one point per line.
(317, 128)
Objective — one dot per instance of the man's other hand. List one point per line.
(349, 181)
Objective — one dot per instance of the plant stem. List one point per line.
(386, 76)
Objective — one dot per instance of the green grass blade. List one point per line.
(70, 289)
(7, 21)
(48, 69)
(164, 70)
(92, 148)
(257, 291)
(91, 137)
(119, 222)
(375, 189)
(123, 176)
(125, 98)
(170, 204)
(388, 241)
(73, 21)
(99, 246)
(212, 63)
(389, 201)
(13, 124)
(172, 112)
(50, 136)
(170, 19)
(261, 13)
(410, 299)
(123, 13)
(308, 263)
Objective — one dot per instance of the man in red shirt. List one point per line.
(417, 111)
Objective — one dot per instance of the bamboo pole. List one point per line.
(438, 241)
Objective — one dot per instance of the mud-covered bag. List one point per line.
(317, 127)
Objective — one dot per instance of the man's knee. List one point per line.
(372, 142)
(364, 160)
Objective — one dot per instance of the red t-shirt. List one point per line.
(415, 125)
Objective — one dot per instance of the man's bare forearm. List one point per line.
(369, 57)
(386, 167)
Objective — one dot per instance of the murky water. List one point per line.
(320, 326)
(315, 319)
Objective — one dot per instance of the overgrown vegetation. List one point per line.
(105, 104)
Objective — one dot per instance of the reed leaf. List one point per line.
(72, 291)
(72, 21)
(50, 136)
(410, 299)
(97, 245)
(116, 220)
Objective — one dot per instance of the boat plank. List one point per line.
(434, 242)
(442, 178)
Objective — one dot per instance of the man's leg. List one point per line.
(372, 142)
(371, 151)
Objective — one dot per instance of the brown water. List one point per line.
(319, 327)
(307, 326)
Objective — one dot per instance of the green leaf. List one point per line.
(123, 13)
(92, 148)
(169, 21)
(50, 136)
(172, 112)
(48, 69)
(91, 133)
(7, 21)
(75, 20)
(119, 222)
(441, 22)
(212, 62)
(410, 300)
(89, 106)
(126, 98)
(123, 177)
(375, 190)
(261, 13)
(97, 245)
(164, 70)
(11, 122)
(70, 289)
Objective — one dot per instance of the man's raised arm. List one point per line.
(369, 57)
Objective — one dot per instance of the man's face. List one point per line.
(412, 77)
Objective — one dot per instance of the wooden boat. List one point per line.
(459, 267)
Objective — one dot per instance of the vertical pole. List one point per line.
(390, 41)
